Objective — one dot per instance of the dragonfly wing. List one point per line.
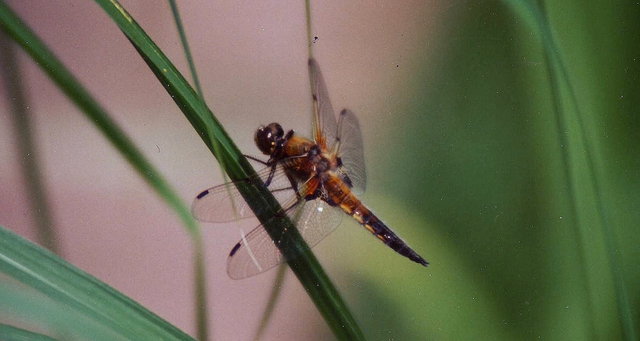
(317, 220)
(346, 132)
(220, 204)
(325, 127)
(351, 151)
(256, 252)
(224, 203)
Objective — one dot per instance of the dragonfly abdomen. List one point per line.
(372, 223)
(392, 240)
(342, 196)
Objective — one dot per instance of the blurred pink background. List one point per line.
(251, 59)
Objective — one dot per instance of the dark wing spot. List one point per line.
(202, 194)
(235, 249)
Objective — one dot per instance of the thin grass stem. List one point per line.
(27, 150)
(200, 282)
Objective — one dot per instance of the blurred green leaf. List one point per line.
(524, 165)
(80, 292)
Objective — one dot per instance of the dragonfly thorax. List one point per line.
(320, 163)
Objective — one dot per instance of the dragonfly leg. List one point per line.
(256, 160)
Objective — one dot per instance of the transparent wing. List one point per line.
(325, 127)
(256, 252)
(224, 203)
(346, 132)
(351, 151)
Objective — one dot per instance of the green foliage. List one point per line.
(523, 115)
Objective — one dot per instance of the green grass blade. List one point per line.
(10, 333)
(276, 289)
(303, 263)
(77, 290)
(307, 7)
(185, 46)
(32, 310)
(201, 306)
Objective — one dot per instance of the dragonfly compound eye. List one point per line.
(267, 138)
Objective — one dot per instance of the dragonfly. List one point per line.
(316, 181)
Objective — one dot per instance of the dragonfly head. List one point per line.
(269, 138)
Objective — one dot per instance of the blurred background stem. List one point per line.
(27, 150)
(200, 280)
